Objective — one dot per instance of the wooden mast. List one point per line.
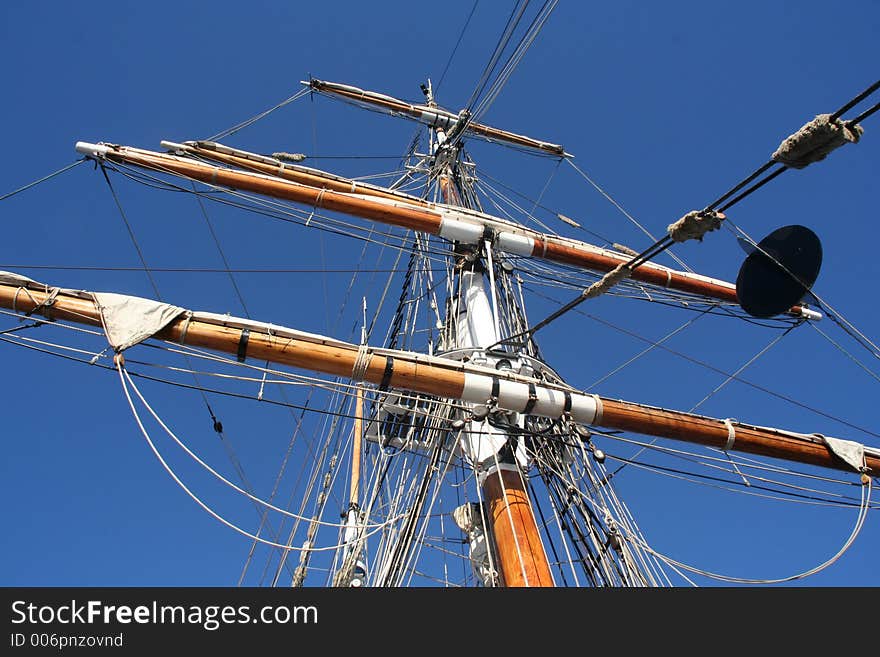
(448, 378)
(521, 558)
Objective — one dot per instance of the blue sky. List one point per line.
(664, 105)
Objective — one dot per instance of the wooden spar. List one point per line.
(274, 167)
(448, 378)
(463, 227)
(521, 556)
(432, 116)
(417, 219)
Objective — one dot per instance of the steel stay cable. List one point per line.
(43, 179)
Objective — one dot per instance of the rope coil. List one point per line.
(816, 140)
(290, 157)
(695, 224)
(609, 280)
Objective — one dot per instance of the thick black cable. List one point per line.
(665, 242)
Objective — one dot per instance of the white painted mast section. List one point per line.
(480, 441)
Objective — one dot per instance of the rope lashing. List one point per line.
(609, 280)
(815, 140)
(359, 369)
(695, 224)
(42, 307)
(290, 157)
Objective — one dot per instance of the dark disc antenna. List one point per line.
(779, 272)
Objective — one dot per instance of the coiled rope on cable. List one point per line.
(813, 142)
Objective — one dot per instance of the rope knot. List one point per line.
(695, 224)
(815, 141)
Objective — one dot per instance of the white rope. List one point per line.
(125, 377)
(860, 520)
(359, 369)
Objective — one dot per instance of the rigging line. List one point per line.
(648, 349)
(178, 384)
(207, 467)
(43, 179)
(713, 463)
(514, 59)
(34, 324)
(203, 270)
(720, 371)
(753, 188)
(739, 487)
(823, 305)
(193, 496)
(709, 461)
(608, 493)
(329, 469)
(733, 376)
(131, 233)
(844, 351)
(25, 342)
(848, 327)
(739, 186)
(457, 44)
(537, 205)
(218, 427)
(488, 191)
(868, 112)
(54, 323)
(866, 496)
(849, 105)
(500, 45)
(220, 251)
(856, 100)
(734, 486)
(625, 213)
(658, 247)
(546, 186)
(261, 115)
(353, 157)
(275, 210)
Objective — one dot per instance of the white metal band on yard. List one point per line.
(514, 396)
(460, 231)
(515, 244)
(731, 434)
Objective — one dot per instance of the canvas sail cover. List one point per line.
(130, 320)
(126, 320)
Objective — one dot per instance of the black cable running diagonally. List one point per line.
(665, 242)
